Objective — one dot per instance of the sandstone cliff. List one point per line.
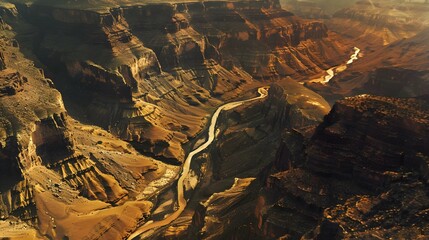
(115, 61)
(56, 172)
(150, 73)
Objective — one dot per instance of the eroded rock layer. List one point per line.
(362, 165)
(120, 60)
(240, 212)
(361, 173)
(376, 133)
(400, 71)
(56, 172)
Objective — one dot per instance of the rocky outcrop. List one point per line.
(286, 108)
(365, 174)
(215, 216)
(2, 63)
(288, 105)
(290, 152)
(12, 83)
(399, 212)
(371, 137)
(301, 195)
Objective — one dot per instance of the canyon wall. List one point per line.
(361, 167)
(401, 71)
(115, 64)
(269, 132)
(362, 172)
(393, 41)
(55, 171)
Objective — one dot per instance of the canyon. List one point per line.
(215, 119)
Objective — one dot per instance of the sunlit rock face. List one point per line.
(115, 61)
(54, 170)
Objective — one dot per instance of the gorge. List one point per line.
(214, 119)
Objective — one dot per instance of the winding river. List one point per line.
(263, 92)
(330, 73)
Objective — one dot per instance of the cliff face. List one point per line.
(180, 57)
(222, 207)
(56, 172)
(291, 106)
(149, 73)
(240, 211)
(372, 133)
(365, 174)
(380, 143)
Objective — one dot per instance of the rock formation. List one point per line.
(400, 71)
(258, 128)
(393, 39)
(358, 124)
(100, 101)
(362, 166)
(362, 174)
(179, 61)
(55, 171)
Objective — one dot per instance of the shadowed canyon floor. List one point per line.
(244, 119)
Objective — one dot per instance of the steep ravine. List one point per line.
(183, 61)
(148, 76)
(359, 174)
(216, 210)
(181, 200)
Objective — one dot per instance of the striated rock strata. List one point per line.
(364, 174)
(240, 212)
(115, 61)
(63, 178)
(401, 71)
